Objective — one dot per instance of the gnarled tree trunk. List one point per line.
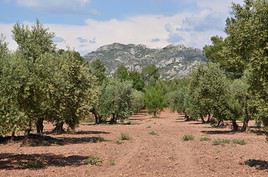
(220, 123)
(187, 118)
(96, 115)
(59, 128)
(209, 118)
(114, 119)
(234, 125)
(202, 119)
(39, 126)
(28, 131)
(246, 118)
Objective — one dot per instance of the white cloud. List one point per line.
(155, 31)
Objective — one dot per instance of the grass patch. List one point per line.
(239, 141)
(35, 164)
(118, 141)
(221, 141)
(153, 133)
(188, 137)
(205, 138)
(112, 162)
(93, 160)
(124, 137)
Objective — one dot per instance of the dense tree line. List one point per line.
(39, 82)
(233, 85)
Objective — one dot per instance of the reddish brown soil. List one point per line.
(145, 155)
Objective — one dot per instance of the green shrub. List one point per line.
(221, 141)
(153, 133)
(239, 141)
(124, 137)
(205, 138)
(213, 122)
(35, 164)
(119, 141)
(93, 160)
(188, 137)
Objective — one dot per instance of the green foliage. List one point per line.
(137, 101)
(239, 141)
(77, 87)
(38, 83)
(118, 141)
(3, 47)
(13, 76)
(98, 70)
(94, 160)
(35, 164)
(188, 137)
(177, 100)
(228, 141)
(205, 138)
(153, 133)
(154, 98)
(137, 80)
(213, 52)
(243, 53)
(116, 100)
(121, 73)
(150, 74)
(208, 92)
(124, 137)
(221, 141)
(33, 41)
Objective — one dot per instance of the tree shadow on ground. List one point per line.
(135, 119)
(219, 132)
(257, 130)
(91, 132)
(10, 161)
(139, 115)
(198, 123)
(181, 121)
(258, 164)
(37, 140)
(82, 132)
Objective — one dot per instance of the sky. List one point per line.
(85, 25)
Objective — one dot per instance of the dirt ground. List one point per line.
(155, 149)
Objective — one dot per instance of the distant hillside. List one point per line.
(173, 61)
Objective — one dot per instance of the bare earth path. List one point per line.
(145, 155)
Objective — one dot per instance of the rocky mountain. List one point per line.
(173, 61)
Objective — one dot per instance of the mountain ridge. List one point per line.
(173, 60)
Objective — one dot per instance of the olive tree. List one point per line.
(115, 101)
(154, 98)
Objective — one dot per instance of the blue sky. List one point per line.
(85, 25)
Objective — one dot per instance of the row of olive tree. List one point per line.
(243, 56)
(233, 85)
(126, 92)
(39, 82)
(208, 93)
